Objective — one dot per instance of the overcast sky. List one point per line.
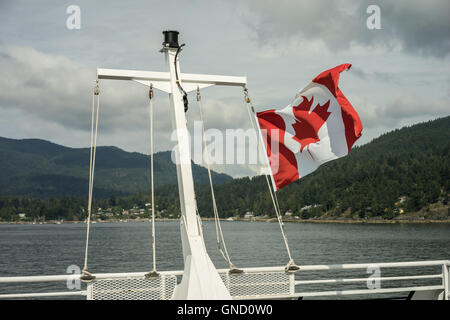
(400, 74)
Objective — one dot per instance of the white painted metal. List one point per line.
(200, 278)
(66, 277)
(446, 280)
(248, 284)
(347, 280)
(161, 80)
(437, 294)
(379, 265)
(341, 293)
(42, 294)
(55, 278)
(132, 288)
(367, 291)
(292, 283)
(267, 282)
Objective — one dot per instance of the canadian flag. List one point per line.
(318, 126)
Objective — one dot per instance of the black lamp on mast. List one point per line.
(171, 39)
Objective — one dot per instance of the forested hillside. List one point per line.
(400, 172)
(38, 168)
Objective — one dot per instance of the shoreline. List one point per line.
(346, 221)
(331, 221)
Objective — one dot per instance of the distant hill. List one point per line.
(400, 172)
(39, 168)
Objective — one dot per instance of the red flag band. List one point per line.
(318, 126)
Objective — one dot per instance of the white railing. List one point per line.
(275, 283)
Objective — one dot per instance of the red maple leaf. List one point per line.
(307, 124)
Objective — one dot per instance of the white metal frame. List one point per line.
(200, 278)
(442, 288)
(161, 80)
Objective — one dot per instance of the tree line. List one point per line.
(400, 172)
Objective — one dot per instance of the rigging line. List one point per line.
(93, 147)
(250, 109)
(224, 252)
(216, 216)
(150, 96)
(185, 99)
(152, 177)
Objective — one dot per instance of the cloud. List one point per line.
(48, 71)
(54, 89)
(49, 96)
(381, 77)
(416, 27)
(397, 112)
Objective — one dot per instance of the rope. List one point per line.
(291, 266)
(219, 233)
(185, 99)
(150, 95)
(86, 276)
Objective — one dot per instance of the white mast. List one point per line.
(200, 278)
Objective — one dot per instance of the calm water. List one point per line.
(126, 247)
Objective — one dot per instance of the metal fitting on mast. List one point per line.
(150, 92)
(247, 99)
(170, 39)
(198, 94)
(96, 88)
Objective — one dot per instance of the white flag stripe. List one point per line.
(332, 143)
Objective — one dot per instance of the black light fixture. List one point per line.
(170, 39)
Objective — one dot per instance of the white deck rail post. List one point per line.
(445, 280)
(266, 284)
